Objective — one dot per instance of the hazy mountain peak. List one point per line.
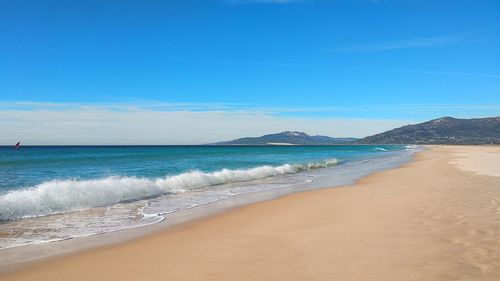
(294, 134)
(288, 137)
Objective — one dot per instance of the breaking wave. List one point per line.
(60, 196)
(410, 147)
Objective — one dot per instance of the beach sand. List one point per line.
(484, 161)
(436, 218)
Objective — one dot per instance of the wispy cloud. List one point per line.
(104, 124)
(401, 44)
(185, 123)
(254, 109)
(445, 73)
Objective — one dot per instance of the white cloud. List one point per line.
(117, 125)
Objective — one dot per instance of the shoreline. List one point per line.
(18, 257)
(255, 212)
(171, 194)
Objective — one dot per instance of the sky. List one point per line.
(198, 71)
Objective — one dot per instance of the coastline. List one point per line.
(416, 222)
(53, 209)
(18, 257)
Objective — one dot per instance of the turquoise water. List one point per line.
(57, 192)
(29, 166)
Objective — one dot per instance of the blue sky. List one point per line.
(391, 60)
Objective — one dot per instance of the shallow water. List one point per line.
(57, 193)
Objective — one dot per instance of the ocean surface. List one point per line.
(50, 193)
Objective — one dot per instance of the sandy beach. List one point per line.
(436, 218)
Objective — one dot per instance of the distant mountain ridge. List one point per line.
(287, 138)
(445, 130)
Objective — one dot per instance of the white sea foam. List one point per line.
(410, 147)
(60, 196)
(380, 149)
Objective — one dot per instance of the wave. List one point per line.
(380, 149)
(60, 196)
(411, 147)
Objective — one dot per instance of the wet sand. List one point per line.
(435, 218)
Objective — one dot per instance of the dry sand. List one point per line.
(427, 220)
(484, 161)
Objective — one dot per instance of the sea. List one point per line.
(53, 193)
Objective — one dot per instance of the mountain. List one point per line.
(288, 137)
(445, 130)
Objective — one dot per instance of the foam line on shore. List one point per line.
(60, 196)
